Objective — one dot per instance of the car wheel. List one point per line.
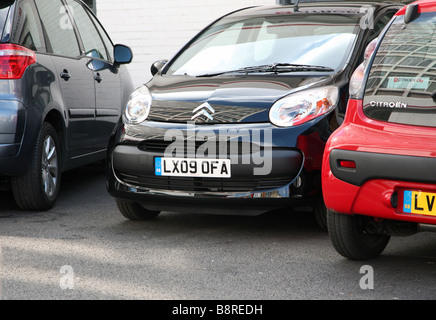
(320, 212)
(134, 211)
(38, 188)
(349, 237)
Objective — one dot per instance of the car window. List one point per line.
(27, 31)
(375, 31)
(317, 39)
(3, 16)
(92, 42)
(107, 41)
(402, 78)
(61, 38)
(379, 25)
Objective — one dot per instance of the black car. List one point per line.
(62, 88)
(237, 121)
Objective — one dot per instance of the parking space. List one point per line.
(84, 249)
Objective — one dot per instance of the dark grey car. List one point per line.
(62, 85)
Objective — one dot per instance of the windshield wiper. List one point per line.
(290, 67)
(274, 68)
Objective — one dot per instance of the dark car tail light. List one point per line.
(14, 60)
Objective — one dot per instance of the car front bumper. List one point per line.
(131, 172)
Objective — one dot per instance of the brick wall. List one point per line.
(157, 29)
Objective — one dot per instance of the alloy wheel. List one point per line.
(49, 166)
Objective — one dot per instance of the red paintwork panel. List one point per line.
(424, 6)
(312, 147)
(360, 133)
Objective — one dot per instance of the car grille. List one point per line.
(203, 184)
(171, 111)
(227, 147)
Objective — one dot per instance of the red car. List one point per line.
(379, 167)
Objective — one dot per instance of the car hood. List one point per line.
(224, 99)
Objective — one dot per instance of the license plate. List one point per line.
(417, 202)
(185, 167)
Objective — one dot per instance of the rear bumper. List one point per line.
(371, 166)
(380, 198)
(376, 186)
(13, 158)
(388, 160)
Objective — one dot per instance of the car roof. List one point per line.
(351, 3)
(321, 7)
(424, 6)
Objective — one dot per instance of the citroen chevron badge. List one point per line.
(205, 109)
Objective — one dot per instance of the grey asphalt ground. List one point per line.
(83, 249)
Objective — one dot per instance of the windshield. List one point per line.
(230, 44)
(401, 87)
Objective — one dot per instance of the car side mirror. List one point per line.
(157, 66)
(122, 54)
(412, 12)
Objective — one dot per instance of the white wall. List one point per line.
(157, 29)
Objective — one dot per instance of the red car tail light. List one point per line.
(14, 60)
(349, 164)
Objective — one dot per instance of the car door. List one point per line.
(75, 78)
(99, 49)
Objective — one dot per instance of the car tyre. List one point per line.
(320, 212)
(38, 188)
(134, 211)
(349, 238)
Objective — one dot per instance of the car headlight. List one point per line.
(303, 106)
(138, 106)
